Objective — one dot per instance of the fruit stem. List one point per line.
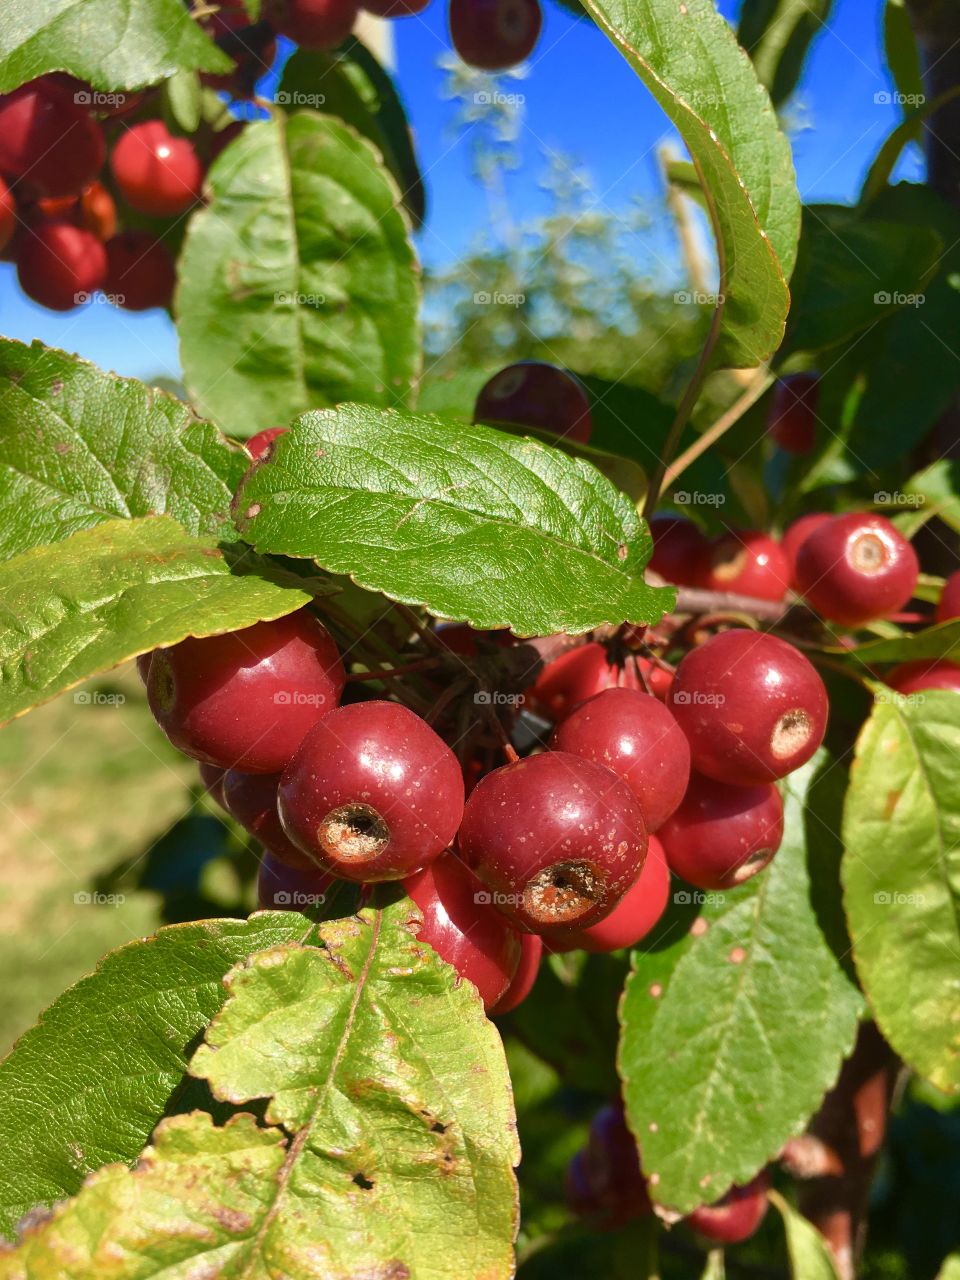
(428, 636)
(748, 398)
(501, 734)
(402, 669)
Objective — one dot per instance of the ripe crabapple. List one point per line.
(636, 736)
(494, 34)
(60, 266)
(212, 776)
(93, 209)
(749, 563)
(314, 24)
(156, 172)
(251, 798)
(557, 838)
(576, 675)
(722, 835)
(8, 215)
(281, 887)
(925, 673)
(143, 666)
(658, 680)
(462, 927)
(372, 793)
(246, 699)
(680, 550)
(736, 1216)
(793, 412)
(797, 533)
(532, 393)
(612, 1167)
(522, 982)
(634, 915)
(261, 445)
(47, 141)
(948, 606)
(856, 568)
(752, 706)
(252, 47)
(140, 272)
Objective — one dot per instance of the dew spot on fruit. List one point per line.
(737, 955)
(868, 553)
(563, 893)
(354, 833)
(790, 734)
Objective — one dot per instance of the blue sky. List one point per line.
(581, 100)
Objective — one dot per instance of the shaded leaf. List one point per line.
(939, 487)
(810, 1257)
(909, 130)
(903, 56)
(777, 34)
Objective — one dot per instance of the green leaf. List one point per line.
(909, 130)
(183, 100)
(940, 641)
(715, 1268)
(951, 1268)
(689, 60)
(79, 446)
(777, 34)
(939, 487)
(903, 56)
(113, 46)
(298, 285)
(475, 524)
(89, 1082)
(106, 594)
(713, 1095)
(810, 1257)
(901, 877)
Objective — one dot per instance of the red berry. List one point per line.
(636, 736)
(463, 928)
(47, 141)
(494, 34)
(522, 982)
(155, 172)
(752, 706)
(736, 1216)
(856, 568)
(797, 533)
(925, 673)
(395, 8)
(8, 215)
(948, 606)
(748, 563)
(251, 798)
(281, 887)
(261, 445)
(612, 1167)
(634, 915)
(315, 24)
(658, 680)
(372, 793)
(93, 209)
(793, 413)
(60, 266)
(534, 394)
(576, 675)
(246, 699)
(212, 776)
(140, 271)
(253, 54)
(680, 550)
(558, 839)
(722, 835)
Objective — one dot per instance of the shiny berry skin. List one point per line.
(612, 1167)
(635, 735)
(522, 982)
(736, 1216)
(211, 778)
(140, 271)
(797, 533)
(8, 215)
(748, 563)
(634, 915)
(281, 887)
(793, 413)
(47, 141)
(722, 835)
(856, 568)
(463, 928)
(93, 209)
(246, 699)
(925, 673)
(156, 172)
(60, 266)
(557, 839)
(752, 706)
(948, 606)
(680, 550)
(251, 798)
(494, 34)
(261, 445)
(576, 675)
(314, 24)
(532, 393)
(372, 793)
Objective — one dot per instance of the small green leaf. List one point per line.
(939, 487)
(87, 1085)
(940, 641)
(298, 284)
(903, 56)
(79, 446)
(104, 595)
(777, 34)
(901, 877)
(183, 99)
(688, 58)
(810, 1257)
(742, 1079)
(113, 46)
(475, 524)
(909, 130)
(715, 1268)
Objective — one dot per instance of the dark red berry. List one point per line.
(657, 679)
(793, 412)
(632, 918)
(211, 778)
(463, 928)
(143, 667)
(797, 533)
(680, 550)
(156, 172)
(578, 1192)
(856, 568)
(948, 606)
(748, 563)
(736, 1216)
(752, 706)
(251, 798)
(246, 699)
(557, 839)
(612, 1167)
(281, 887)
(576, 675)
(140, 271)
(60, 266)
(494, 34)
(315, 24)
(534, 394)
(372, 793)
(636, 736)
(522, 982)
(48, 142)
(925, 673)
(8, 215)
(261, 445)
(722, 835)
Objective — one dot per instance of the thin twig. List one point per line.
(745, 401)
